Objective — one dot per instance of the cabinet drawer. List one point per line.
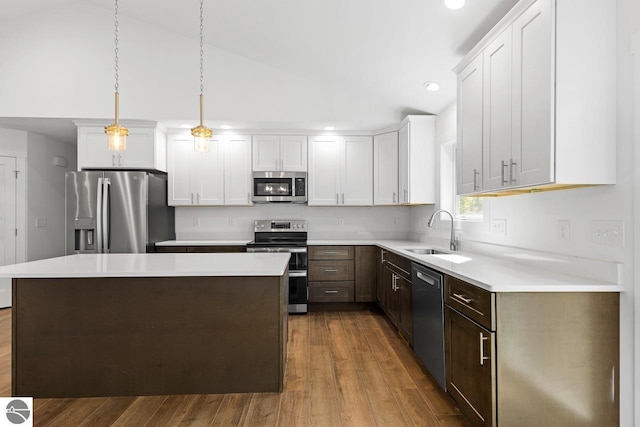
(331, 292)
(474, 302)
(331, 252)
(216, 249)
(323, 271)
(403, 264)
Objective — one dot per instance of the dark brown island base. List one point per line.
(139, 336)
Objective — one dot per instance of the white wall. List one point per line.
(61, 65)
(45, 195)
(324, 222)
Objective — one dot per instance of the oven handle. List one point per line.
(287, 250)
(297, 274)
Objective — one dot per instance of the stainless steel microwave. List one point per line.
(279, 187)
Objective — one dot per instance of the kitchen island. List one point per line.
(148, 324)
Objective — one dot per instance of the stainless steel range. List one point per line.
(286, 236)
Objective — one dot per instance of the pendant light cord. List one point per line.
(201, 48)
(116, 45)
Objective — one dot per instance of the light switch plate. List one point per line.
(499, 226)
(609, 233)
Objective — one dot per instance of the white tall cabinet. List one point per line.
(385, 169)
(272, 153)
(222, 176)
(417, 160)
(340, 171)
(535, 102)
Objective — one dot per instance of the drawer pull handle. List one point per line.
(462, 298)
(330, 252)
(482, 356)
(330, 270)
(330, 292)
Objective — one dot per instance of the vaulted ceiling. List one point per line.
(378, 52)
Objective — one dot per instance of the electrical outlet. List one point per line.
(341, 222)
(196, 221)
(41, 222)
(607, 232)
(564, 229)
(231, 220)
(396, 222)
(499, 226)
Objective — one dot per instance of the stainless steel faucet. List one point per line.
(453, 244)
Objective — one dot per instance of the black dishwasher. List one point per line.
(428, 319)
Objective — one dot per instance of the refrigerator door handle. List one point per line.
(105, 216)
(99, 233)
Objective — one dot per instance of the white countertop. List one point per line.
(490, 273)
(152, 265)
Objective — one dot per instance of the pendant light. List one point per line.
(201, 133)
(117, 134)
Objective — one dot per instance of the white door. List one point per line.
(324, 171)
(7, 223)
(293, 153)
(208, 174)
(385, 169)
(357, 171)
(533, 143)
(469, 143)
(496, 141)
(266, 153)
(237, 170)
(180, 171)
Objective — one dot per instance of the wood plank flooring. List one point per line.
(344, 369)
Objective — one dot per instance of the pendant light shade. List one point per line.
(201, 133)
(117, 134)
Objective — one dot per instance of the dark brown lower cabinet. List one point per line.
(365, 283)
(381, 285)
(396, 283)
(405, 308)
(470, 364)
(201, 249)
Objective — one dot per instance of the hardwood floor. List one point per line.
(344, 369)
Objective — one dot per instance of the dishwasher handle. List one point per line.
(420, 275)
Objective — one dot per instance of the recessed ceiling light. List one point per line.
(432, 86)
(329, 128)
(454, 4)
(225, 127)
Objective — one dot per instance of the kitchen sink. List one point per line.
(423, 251)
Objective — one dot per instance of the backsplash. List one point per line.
(226, 222)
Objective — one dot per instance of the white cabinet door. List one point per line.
(533, 143)
(181, 170)
(469, 141)
(324, 171)
(403, 162)
(496, 141)
(93, 151)
(293, 153)
(140, 150)
(208, 174)
(266, 153)
(385, 169)
(237, 170)
(357, 171)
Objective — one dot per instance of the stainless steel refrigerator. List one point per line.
(116, 212)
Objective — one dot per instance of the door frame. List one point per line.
(21, 202)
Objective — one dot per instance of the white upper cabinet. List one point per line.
(469, 142)
(385, 169)
(146, 147)
(279, 153)
(221, 176)
(495, 140)
(417, 165)
(543, 104)
(340, 171)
